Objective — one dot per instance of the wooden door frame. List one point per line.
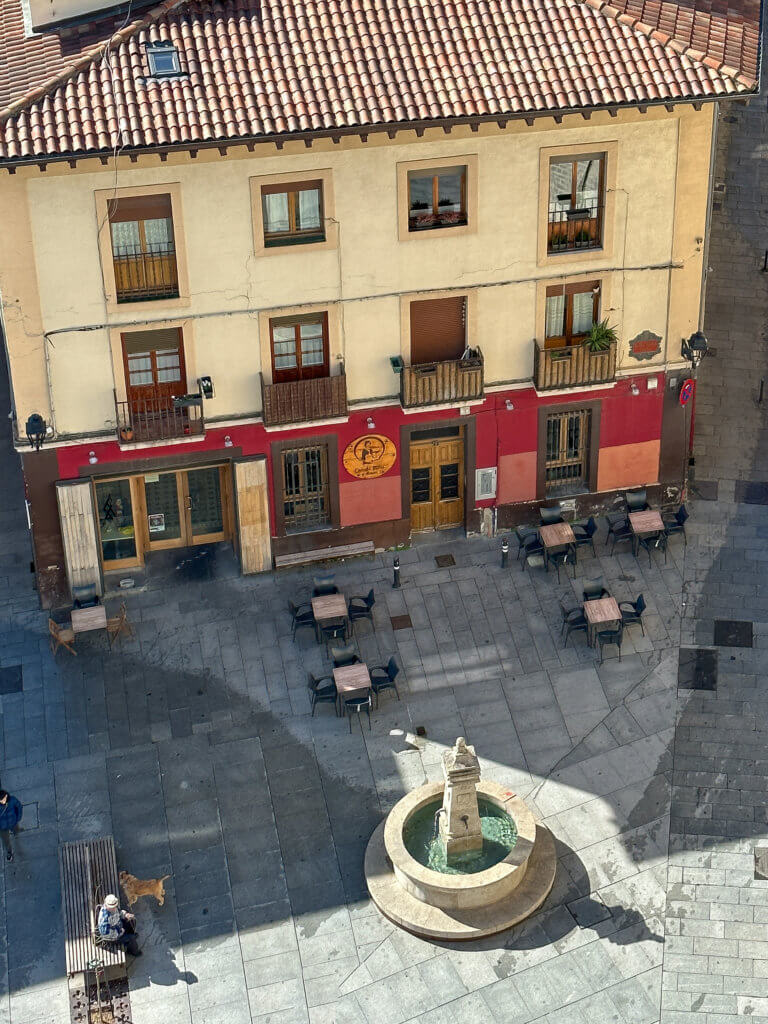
(469, 424)
(226, 532)
(593, 448)
(139, 523)
(296, 322)
(182, 363)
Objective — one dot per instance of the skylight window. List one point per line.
(163, 60)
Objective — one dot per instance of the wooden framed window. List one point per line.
(293, 214)
(438, 329)
(299, 347)
(571, 310)
(437, 198)
(567, 452)
(305, 490)
(143, 248)
(576, 202)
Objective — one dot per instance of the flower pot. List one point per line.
(126, 433)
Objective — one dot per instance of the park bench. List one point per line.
(88, 873)
(363, 547)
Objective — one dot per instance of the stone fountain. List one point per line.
(462, 858)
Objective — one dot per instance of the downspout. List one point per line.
(708, 223)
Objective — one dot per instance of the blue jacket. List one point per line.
(10, 813)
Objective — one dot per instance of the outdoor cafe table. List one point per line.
(85, 619)
(351, 680)
(599, 613)
(328, 608)
(644, 523)
(557, 535)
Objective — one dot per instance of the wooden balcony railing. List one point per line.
(575, 229)
(146, 275)
(451, 380)
(572, 367)
(301, 401)
(159, 418)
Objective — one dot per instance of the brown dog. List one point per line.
(134, 887)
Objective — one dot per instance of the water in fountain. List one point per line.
(499, 837)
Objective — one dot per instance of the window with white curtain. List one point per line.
(293, 214)
(570, 312)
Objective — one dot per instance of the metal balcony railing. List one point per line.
(146, 275)
(580, 228)
(158, 418)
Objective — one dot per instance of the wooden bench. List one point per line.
(88, 873)
(363, 547)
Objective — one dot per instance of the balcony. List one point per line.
(159, 418)
(449, 381)
(303, 401)
(575, 230)
(572, 367)
(146, 275)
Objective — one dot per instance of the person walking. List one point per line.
(11, 811)
(116, 925)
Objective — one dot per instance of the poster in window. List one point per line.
(156, 522)
(369, 456)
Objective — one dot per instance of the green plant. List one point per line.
(601, 336)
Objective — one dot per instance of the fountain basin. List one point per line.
(459, 906)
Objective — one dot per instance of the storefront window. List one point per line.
(113, 500)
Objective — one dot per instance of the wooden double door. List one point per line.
(186, 507)
(437, 483)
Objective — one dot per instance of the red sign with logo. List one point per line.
(686, 392)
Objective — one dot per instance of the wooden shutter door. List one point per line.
(253, 515)
(78, 532)
(438, 329)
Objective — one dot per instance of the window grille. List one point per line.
(567, 469)
(305, 487)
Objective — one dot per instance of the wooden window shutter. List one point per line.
(140, 208)
(438, 329)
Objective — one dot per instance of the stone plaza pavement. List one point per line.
(193, 745)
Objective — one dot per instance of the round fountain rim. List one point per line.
(504, 798)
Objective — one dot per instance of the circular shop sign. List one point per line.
(369, 456)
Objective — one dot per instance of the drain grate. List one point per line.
(733, 633)
(444, 561)
(11, 679)
(697, 668)
(401, 622)
(115, 1004)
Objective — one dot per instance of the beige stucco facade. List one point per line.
(53, 282)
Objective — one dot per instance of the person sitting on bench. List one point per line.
(116, 925)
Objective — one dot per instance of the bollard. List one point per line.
(396, 573)
(504, 553)
(760, 395)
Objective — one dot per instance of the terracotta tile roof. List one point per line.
(275, 67)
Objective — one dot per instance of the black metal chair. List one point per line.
(585, 534)
(383, 678)
(522, 533)
(532, 545)
(322, 690)
(676, 524)
(301, 615)
(549, 516)
(632, 612)
(653, 541)
(575, 623)
(362, 608)
(637, 501)
(324, 589)
(609, 638)
(358, 704)
(566, 555)
(343, 655)
(330, 630)
(619, 530)
(595, 589)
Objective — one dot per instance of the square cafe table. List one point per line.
(599, 613)
(351, 680)
(643, 523)
(85, 619)
(328, 608)
(557, 535)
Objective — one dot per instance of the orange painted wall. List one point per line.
(628, 465)
(517, 477)
(370, 501)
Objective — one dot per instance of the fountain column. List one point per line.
(460, 817)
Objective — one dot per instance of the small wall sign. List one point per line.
(369, 456)
(645, 345)
(686, 392)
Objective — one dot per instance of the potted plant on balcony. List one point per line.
(601, 336)
(126, 433)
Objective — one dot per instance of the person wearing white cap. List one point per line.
(112, 925)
